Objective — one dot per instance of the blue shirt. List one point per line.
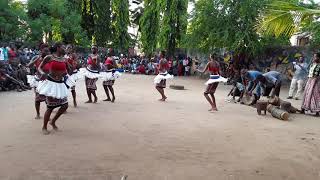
(272, 77)
(252, 75)
(301, 71)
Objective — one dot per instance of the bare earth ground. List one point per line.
(149, 140)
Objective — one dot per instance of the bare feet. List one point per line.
(107, 99)
(89, 101)
(45, 132)
(54, 126)
(163, 99)
(37, 117)
(95, 100)
(210, 110)
(113, 99)
(75, 104)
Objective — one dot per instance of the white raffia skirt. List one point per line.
(216, 78)
(33, 80)
(76, 75)
(91, 74)
(55, 89)
(107, 76)
(162, 76)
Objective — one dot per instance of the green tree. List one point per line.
(102, 21)
(87, 20)
(58, 20)
(150, 26)
(228, 24)
(120, 23)
(13, 24)
(174, 24)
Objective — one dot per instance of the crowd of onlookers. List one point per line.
(14, 60)
(13, 72)
(178, 66)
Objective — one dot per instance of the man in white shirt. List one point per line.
(1, 54)
(185, 63)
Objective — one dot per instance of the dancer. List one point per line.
(213, 68)
(55, 87)
(34, 80)
(109, 77)
(311, 100)
(161, 79)
(72, 70)
(92, 73)
(300, 74)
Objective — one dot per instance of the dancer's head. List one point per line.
(58, 48)
(94, 49)
(69, 48)
(213, 57)
(162, 54)
(44, 48)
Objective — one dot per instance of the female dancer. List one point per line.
(34, 80)
(161, 78)
(311, 100)
(213, 68)
(72, 70)
(91, 73)
(109, 77)
(55, 87)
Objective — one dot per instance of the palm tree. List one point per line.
(287, 17)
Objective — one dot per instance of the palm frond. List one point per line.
(285, 18)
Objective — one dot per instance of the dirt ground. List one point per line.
(150, 140)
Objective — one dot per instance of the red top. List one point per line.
(46, 67)
(142, 69)
(214, 68)
(58, 66)
(108, 61)
(92, 60)
(12, 54)
(163, 65)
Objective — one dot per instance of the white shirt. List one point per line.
(1, 54)
(185, 62)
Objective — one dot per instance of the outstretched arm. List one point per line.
(205, 69)
(43, 63)
(33, 61)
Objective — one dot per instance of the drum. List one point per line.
(278, 113)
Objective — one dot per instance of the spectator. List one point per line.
(299, 77)
(150, 68)
(142, 69)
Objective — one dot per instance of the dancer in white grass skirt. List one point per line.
(109, 76)
(55, 87)
(161, 79)
(73, 71)
(34, 80)
(92, 74)
(213, 68)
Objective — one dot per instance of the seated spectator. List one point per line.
(150, 68)
(142, 69)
